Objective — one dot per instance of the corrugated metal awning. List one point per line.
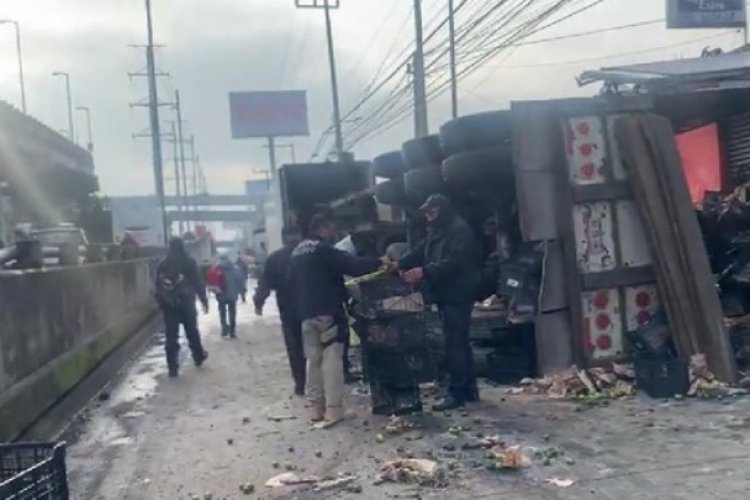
(734, 67)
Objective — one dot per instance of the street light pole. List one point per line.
(71, 127)
(89, 128)
(327, 5)
(20, 60)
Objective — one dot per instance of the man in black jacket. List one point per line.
(317, 278)
(448, 261)
(276, 278)
(178, 282)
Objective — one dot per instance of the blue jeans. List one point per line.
(228, 316)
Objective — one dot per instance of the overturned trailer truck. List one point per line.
(603, 189)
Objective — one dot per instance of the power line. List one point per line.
(616, 55)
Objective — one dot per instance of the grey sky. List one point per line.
(222, 45)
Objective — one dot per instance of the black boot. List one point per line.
(200, 359)
(449, 402)
(174, 371)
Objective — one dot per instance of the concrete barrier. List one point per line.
(57, 325)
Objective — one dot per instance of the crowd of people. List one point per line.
(307, 275)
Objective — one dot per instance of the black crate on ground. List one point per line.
(661, 377)
(401, 367)
(31, 471)
(388, 399)
(386, 296)
(509, 367)
(652, 339)
(404, 332)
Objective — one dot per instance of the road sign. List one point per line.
(268, 114)
(706, 14)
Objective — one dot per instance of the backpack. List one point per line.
(170, 289)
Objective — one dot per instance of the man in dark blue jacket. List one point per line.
(276, 278)
(448, 261)
(317, 278)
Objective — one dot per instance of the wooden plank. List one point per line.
(712, 337)
(681, 264)
(658, 229)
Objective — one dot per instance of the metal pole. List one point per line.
(194, 163)
(89, 128)
(20, 66)
(181, 140)
(154, 119)
(272, 156)
(70, 108)
(334, 85)
(177, 188)
(454, 78)
(420, 91)
(294, 153)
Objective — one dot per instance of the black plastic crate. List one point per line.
(33, 471)
(408, 331)
(401, 368)
(661, 377)
(389, 399)
(386, 296)
(652, 339)
(510, 367)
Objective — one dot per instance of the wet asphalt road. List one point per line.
(208, 432)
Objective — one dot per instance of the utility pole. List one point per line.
(421, 127)
(327, 5)
(181, 141)
(454, 78)
(177, 187)
(154, 120)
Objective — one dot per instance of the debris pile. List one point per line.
(592, 384)
(398, 425)
(704, 384)
(504, 457)
(414, 471)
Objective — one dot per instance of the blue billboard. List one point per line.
(256, 187)
(706, 14)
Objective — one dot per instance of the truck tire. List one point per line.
(389, 165)
(390, 192)
(313, 183)
(477, 131)
(421, 183)
(422, 152)
(477, 168)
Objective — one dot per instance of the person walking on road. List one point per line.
(232, 285)
(245, 271)
(276, 278)
(317, 278)
(178, 284)
(447, 260)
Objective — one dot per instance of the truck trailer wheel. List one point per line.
(422, 152)
(389, 165)
(477, 131)
(421, 183)
(485, 167)
(390, 192)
